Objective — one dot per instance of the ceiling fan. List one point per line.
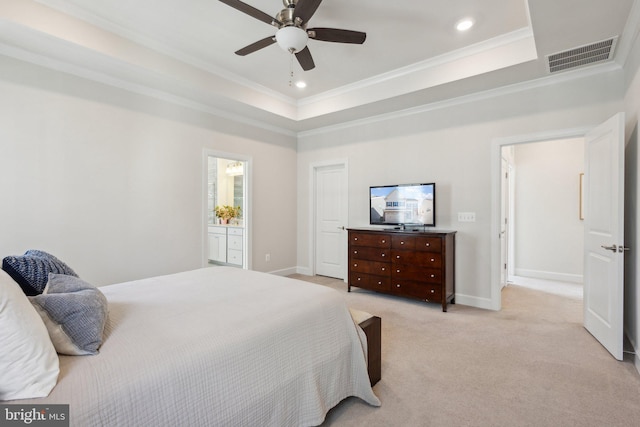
(293, 34)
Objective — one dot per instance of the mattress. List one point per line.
(216, 346)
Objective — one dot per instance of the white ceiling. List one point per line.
(183, 51)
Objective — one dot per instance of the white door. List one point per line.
(331, 220)
(604, 234)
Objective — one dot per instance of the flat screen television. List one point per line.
(403, 204)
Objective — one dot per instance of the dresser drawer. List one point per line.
(369, 281)
(367, 239)
(403, 242)
(413, 289)
(418, 259)
(370, 267)
(429, 244)
(416, 273)
(372, 254)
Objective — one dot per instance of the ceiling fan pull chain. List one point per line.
(291, 70)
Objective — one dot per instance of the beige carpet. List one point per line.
(531, 364)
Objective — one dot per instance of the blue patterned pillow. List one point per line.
(31, 270)
(74, 313)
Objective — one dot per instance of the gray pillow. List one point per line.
(31, 270)
(74, 313)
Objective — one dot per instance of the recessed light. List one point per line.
(464, 24)
(300, 84)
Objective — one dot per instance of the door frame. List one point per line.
(495, 301)
(246, 211)
(313, 170)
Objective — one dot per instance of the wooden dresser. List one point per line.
(413, 264)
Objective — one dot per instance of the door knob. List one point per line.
(614, 248)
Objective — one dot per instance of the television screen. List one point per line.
(403, 204)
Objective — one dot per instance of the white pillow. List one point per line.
(28, 361)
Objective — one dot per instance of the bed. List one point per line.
(216, 346)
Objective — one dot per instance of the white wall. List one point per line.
(632, 193)
(549, 235)
(451, 146)
(112, 182)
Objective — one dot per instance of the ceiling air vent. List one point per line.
(581, 56)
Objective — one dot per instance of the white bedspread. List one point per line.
(217, 346)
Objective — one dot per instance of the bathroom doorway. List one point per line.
(227, 210)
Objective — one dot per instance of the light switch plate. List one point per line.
(466, 217)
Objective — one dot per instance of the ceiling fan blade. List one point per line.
(252, 11)
(305, 9)
(337, 35)
(267, 41)
(305, 59)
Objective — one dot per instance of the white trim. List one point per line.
(422, 66)
(247, 235)
(549, 275)
(478, 302)
(629, 34)
(304, 270)
(284, 272)
(474, 97)
(125, 84)
(138, 38)
(496, 175)
(313, 167)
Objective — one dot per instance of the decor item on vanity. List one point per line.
(409, 263)
(226, 212)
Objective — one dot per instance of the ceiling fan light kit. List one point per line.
(292, 39)
(292, 34)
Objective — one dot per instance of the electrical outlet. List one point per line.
(267, 257)
(466, 217)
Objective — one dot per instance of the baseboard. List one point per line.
(306, 271)
(284, 272)
(549, 275)
(634, 348)
(477, 302)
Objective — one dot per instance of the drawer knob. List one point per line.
(382, 255)
(402, 243)
(384, 241)
(397, 256)
(433, 275)
(359, 279)
(355, 252)
(355, 238)
(383, 269)
(397, 286)
(380, 283)
(355, 265)
(432, 260)
(433, 291)
(427, 244)
(397, 271)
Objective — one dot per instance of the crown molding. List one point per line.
(474, 97)
(138, 38)
(423, 66)
(129, 85)
(629, 35)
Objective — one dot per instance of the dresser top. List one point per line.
(416, 230)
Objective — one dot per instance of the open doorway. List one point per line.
(227, 210)
(542, 227)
